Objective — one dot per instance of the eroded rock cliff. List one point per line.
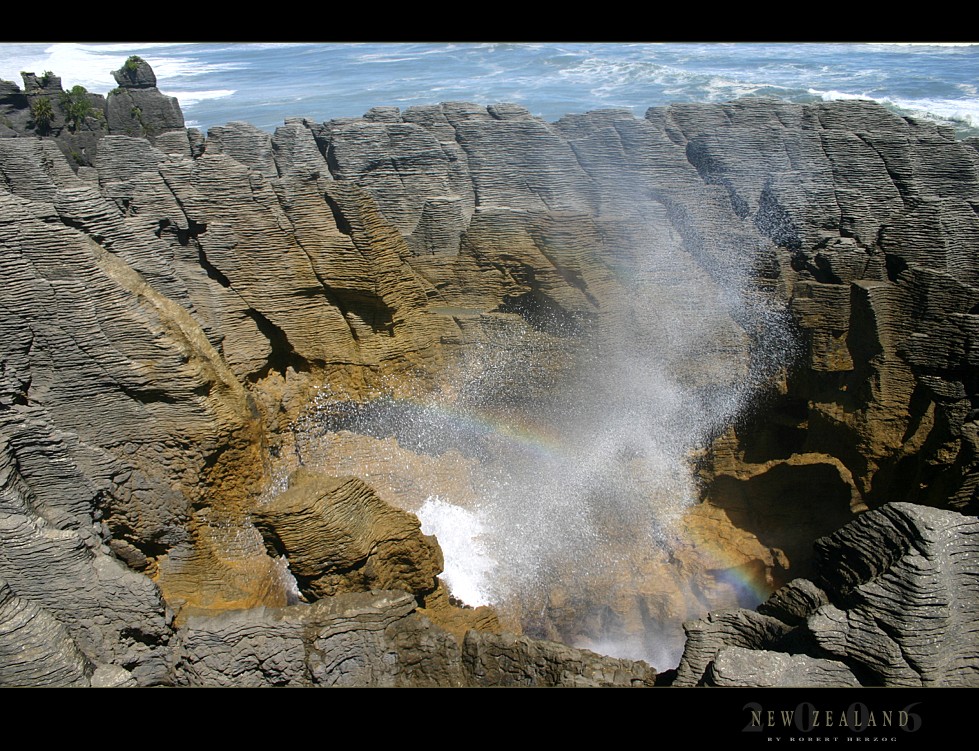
(188, 321)
(894, 604)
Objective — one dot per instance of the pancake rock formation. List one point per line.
(895, 605)
(717, 334)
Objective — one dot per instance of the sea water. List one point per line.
(266, 83)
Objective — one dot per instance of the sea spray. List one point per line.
(575, 496)
(469, 566)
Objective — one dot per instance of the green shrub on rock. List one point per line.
(42, 113)
(77, 106)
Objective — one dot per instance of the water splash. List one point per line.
(469, 565)
(579, 434)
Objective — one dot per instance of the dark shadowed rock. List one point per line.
(136, 73)
(794, 602)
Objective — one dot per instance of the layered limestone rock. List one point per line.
(895, 605)
(137, 108)
(181, 315)
(377, 639)
(338, 536)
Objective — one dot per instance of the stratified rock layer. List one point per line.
(172, 304)
(338, 536)
(897, 607)
(375, 639)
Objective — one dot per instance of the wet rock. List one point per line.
(505, 660)
(898, 592)
(707, 636)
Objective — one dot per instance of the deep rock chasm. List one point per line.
(696, 390)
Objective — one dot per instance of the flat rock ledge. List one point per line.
(376, 639)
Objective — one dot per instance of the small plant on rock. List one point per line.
(132, 63)
(42, 113)
(77, 106)
(45, 78)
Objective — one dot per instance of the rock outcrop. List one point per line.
(137, 108)
(895, 604)
(376, 639)
(339, 536)
(173, 305)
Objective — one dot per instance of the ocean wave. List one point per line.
(614, 73)
(91, 65)
(833, 96)
(926, 44)
(549, 79)
(190, 98)
(126, 46)
(630, 79)
(402, 54)
(963, 111)
(718, 88)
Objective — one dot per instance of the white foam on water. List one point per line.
(468, 565)
(834, 96)
(954, 110)
(91, 65)
(964, 110)
(928, 44)
(190, 98)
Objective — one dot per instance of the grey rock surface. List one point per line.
(707, 636)
(505, 660)
(794, 602)
(897, 608)
(137, 107)
(135, 73)
(903, 586)
(375, 639)
(35, 647)
(752, 668)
